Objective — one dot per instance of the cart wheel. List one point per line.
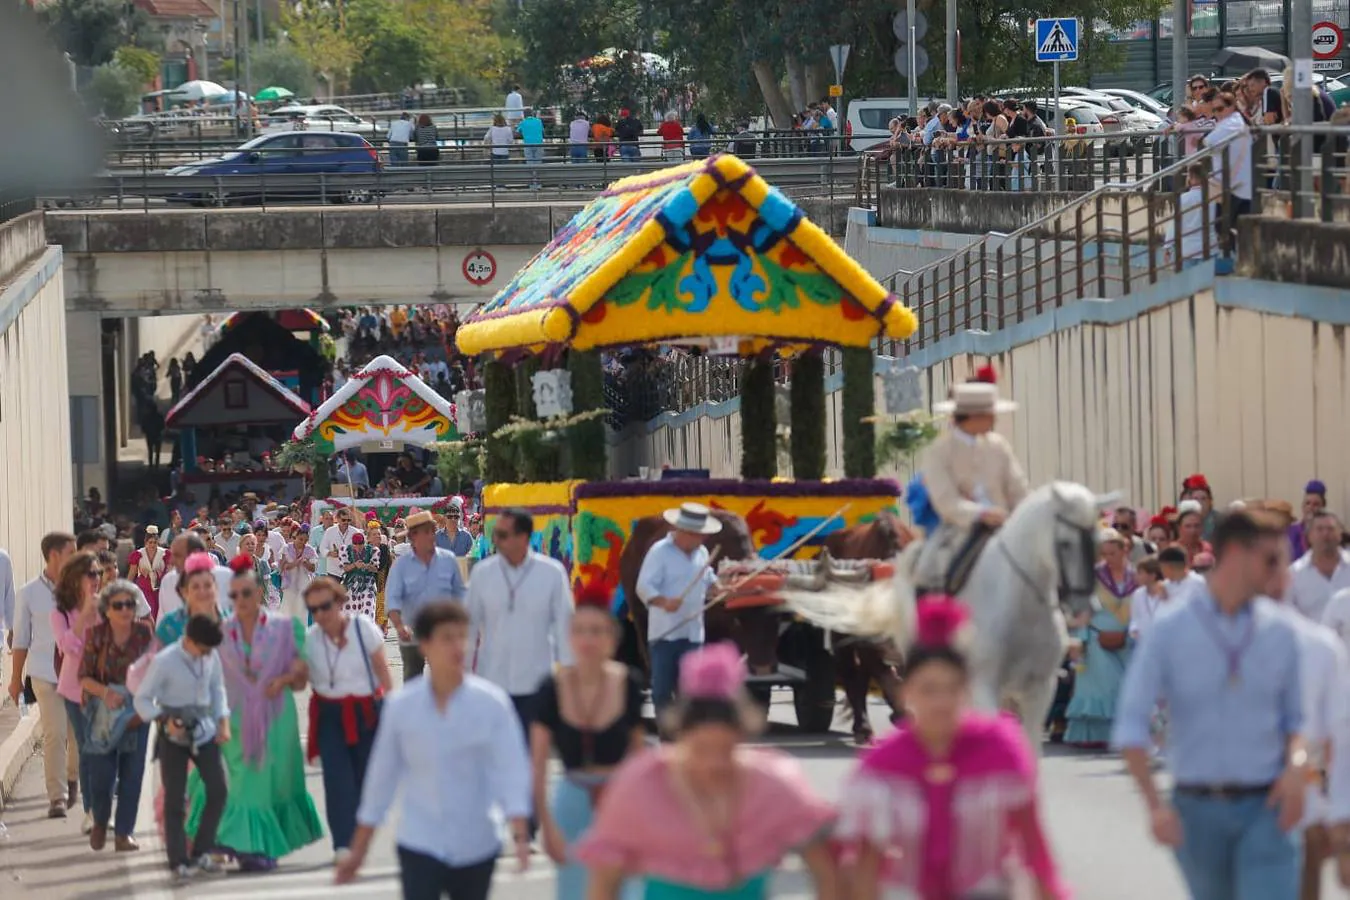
(814, 700)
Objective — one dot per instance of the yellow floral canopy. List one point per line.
(702, 250)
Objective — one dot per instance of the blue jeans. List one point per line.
(578, 152)
(398, 154)
(1235, 850)
(344, 767)
(630, 151)
(120, 771)
(534, 154)
(666, 656)
(79, 727)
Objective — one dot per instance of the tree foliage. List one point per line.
(322, 37)
(115, 90)
(91, 31)
(144, 63)
(397, 48)
(282, 65)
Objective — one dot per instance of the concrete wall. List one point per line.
(1301, 252)
(35, 467)
(1223, 376)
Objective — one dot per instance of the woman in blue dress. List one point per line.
(1103, 648)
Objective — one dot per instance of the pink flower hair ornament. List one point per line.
(715, 672)
(941, 620)
(198, 562)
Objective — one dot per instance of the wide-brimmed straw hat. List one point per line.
(694, 518)
(418, 519)
(974, 399)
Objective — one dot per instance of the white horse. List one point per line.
(1043, 556)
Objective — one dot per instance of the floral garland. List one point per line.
(902, 438)
(519, 426)
(703, 487)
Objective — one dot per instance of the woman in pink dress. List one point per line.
(146, 566)
(945, 807)
(706, 815)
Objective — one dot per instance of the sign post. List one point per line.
(1057, 42)
(839, 56)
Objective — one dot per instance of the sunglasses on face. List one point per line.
(120, 605)
(94, 574)
(320, 607)
(246, 594)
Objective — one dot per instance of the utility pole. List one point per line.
(952, 97)
(913, 52)
(1300, 45)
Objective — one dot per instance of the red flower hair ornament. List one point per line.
(242, 564)
(592, 595)
(986, 374)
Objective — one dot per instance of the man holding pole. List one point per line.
(674, 582)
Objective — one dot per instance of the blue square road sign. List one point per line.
(1056, 40)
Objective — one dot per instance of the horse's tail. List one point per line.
(877, 609)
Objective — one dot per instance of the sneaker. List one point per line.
(57, 810)
(185, 872)
(88, 824)
(208, 865)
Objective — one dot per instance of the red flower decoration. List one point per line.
(851, 309)
(986, 375)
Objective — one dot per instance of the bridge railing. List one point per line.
(486, 181)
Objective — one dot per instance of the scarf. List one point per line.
(247, 672)
(1113, 597)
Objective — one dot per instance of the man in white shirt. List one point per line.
(1322, 571)
(1191, 241)
(673, 582)
(337, 538)
(451, 741)
(515, 107)
(316, 536)
(1235, 156)
(35, 655)
(182, 547)
(520, 605)
(399, 136)
(1323, 667)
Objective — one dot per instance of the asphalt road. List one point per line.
(1094, 818)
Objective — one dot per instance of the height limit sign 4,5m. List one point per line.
(1056, 42)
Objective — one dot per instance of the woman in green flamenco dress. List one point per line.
(269, 813)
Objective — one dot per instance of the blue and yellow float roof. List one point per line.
(702, 250)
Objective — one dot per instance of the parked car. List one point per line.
(324, 117)
(868, 118)
(1338, 89)
(287, 154)
(1140, 100)
(1131, 117)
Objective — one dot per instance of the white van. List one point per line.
(869, 117)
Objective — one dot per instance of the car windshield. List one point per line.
(878, 118)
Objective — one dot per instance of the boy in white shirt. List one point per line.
(1191, 241)
(1176, 570)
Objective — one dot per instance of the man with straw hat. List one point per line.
(973, 480)
(673, 582)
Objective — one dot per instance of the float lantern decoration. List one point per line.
(382, 402)
(696, 252)
(552, 393)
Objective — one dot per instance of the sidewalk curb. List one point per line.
(16, 750)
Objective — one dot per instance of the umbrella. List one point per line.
(274, 93)
(1250, 58)
(198, 90)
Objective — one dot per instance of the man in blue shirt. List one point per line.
(531, 131)
(673, 582)
(417, 578)
(455, 537)
(1227, 666)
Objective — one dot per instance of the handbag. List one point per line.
(1112, 640)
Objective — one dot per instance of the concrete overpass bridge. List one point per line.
(164, 261)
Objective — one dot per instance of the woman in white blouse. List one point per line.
(349, 674)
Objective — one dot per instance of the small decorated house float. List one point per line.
(704, 255)
(228, 426)
(381, 409)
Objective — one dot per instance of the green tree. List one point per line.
(115, 90)
(319, 32)
(469, 44)
(145, 63)
(397, 46)
(91, 31)
(281, 65)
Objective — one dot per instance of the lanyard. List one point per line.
(512, 588)
(1232, 653)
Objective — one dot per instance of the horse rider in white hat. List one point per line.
(974, 482)
(674, 582)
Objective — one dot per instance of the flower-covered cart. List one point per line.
(707, 256)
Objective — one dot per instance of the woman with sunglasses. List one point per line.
(114, 644)
(255, 548)
(360, 572)
(75, 614)
(269, 814)
(349, 675)
(591, 712)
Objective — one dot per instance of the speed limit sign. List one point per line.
(479, 267)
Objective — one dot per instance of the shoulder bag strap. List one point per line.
(365, 657)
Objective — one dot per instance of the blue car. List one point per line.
(294, 160)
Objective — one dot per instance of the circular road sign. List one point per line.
(1327, 40)
(901, 61)
(479, 267)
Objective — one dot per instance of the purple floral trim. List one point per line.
(700, 487)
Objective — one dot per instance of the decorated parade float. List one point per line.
(306, 324)
(382, 408)
(709, 257)
(228, 424)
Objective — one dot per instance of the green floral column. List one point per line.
(859, 402)
(587, 448)
(808, 416)
(538, 450)
(759, 429)
(499, 404)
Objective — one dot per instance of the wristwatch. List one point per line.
(1298, 759)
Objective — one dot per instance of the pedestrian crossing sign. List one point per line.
(1056, 40)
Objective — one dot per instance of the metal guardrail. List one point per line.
(12, 206)
(484, 182)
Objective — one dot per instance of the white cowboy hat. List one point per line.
(694, 518)
(974, 398)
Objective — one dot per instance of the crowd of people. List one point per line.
(421, 338)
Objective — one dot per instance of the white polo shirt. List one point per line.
(33, 609)
(1310, 591)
